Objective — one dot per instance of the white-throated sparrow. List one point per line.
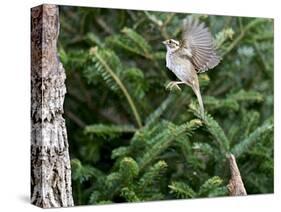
(195, 53)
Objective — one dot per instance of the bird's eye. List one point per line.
(170, 41)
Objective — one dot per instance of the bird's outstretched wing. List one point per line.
(197, 40)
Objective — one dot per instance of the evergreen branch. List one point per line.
(164, 139)
(222, 36)
(129, 195)
(108, 130)
(244, 145)
(128, 169)
(204, 148)
(151, 175)
(249, 122)
(123, 177)
(120, 84)
(113, 182)
(209, 186)
(125, 43)
(138, 40)
(160, 55)
(217, 132)
(242, 34)
(262, 60)
(195, 154)
(243, 95)
(104, 202)
(154, 116)
(204, 80)
(182, 190)
(136, 83)
(214, 103)
(94, 197)
(153, 19)
(120, 152)
(83, 173)
(213, 127)
(93, 39)
(132, 42)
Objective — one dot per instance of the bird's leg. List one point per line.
(174, 84)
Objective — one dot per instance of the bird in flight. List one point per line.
(194, 54)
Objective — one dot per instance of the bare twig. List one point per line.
(235, 185)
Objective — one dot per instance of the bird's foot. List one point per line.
(173, 84)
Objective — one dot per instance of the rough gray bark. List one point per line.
(235, 185)
(50, 163)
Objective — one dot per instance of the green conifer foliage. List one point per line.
(131, 140)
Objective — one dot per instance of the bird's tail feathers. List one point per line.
(200, 101)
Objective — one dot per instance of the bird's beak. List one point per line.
(164, 42)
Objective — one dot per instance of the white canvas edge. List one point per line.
(15, 89)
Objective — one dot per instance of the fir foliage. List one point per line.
(131, 140)
(181, 190)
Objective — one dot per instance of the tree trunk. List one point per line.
(50, 163)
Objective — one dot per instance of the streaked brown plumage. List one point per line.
(195, 53)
